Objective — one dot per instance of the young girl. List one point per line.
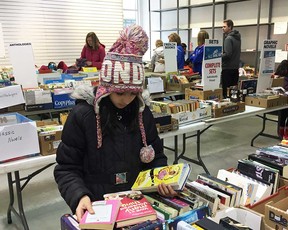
(110, 137)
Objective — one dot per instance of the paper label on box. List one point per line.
(8, 119)
(56, 144)
(11, 95)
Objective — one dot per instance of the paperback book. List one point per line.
(134, 208)
(174, 175)
(105, 215)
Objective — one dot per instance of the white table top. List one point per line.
(27, 163)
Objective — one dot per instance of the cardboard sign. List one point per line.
(10, 96)
(211, 66)
(18, 139)
(22, 59)
(170, 56)
(267, 64)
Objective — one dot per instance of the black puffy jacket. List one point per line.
(83, 169)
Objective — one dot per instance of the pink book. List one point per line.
(105, 215)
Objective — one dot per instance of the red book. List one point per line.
(134, 208)
(105, 215)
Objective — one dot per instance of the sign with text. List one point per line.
(170, 56)
(11, 95)
(18, 139)
(22, 59)
(267, 64)
(211, 66)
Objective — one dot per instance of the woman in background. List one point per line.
(93, 51)
(196, 58)
(174, 37)
(158, 56)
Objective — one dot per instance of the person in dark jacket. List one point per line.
(110, 137)
(230, 56)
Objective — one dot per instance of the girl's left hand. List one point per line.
(166, 190)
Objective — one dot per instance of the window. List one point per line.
(130, 12)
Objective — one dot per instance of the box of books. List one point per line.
(18, 136)
(194, 93)
(61, 98)
(49, 133)
(228, 109)
(276, 215)
(266, 101)
(37, 99)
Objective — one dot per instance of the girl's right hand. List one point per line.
(84, 204)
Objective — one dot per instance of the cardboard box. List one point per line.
(43, 78)
(38, 99)
(259, 207)
(264, 102)
(228, 110)
(18, 136)
(276, 215)
(277, 82)
(178, 86)
(61, 98)
(49, 140)
(203, 94)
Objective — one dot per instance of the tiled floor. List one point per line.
(221, 146)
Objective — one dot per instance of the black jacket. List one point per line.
(85, 170)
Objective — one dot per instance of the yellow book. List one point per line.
(174, 175)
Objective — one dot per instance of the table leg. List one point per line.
(11, 196)
(20, 202)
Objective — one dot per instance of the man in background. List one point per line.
(230, 56)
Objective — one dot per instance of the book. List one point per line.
(231, 224)
(226, 186)
(189, 217)
(208, 224)
(134, 208)
(174, 202)
(68, 222)
(259, 171)
(192, 199)
(224, 199)
(146, 225)
(249, 187)
(106, 212)
(213, 199)
(277, 152)
(162, 214)
(161, 205)
(174, 175)
(283, 169)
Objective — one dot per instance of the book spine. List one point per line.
(161, 213)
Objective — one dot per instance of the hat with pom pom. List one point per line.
(123, 71)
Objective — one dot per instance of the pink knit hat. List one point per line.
(123, 71)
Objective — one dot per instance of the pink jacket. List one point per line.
(95, 56)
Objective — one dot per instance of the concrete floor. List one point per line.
(221, 146)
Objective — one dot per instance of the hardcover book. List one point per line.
(279, 153)
(259, 171)
(68, 222)
(105, 215)
(283, 169)
(174, 175)
(224, 185)
(134, 208)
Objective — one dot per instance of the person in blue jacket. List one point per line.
(196, 58)
(174, 37)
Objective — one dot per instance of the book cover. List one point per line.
(231, 224)
(174, 175)
(279, 153)
(208, 224)
(192, 199)
(162, 214)
(283, 169)
(259, 171)
(134, 208)
(105, 215)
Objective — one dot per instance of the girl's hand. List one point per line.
(84, 204)
(166, 190)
